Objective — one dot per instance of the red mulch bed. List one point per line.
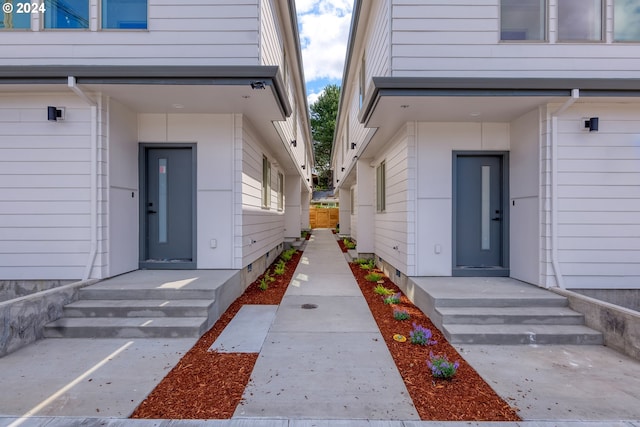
(465, 397)
(209, 385)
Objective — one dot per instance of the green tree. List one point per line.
(323, 125)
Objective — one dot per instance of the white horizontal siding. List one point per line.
(599, 196)
(195, 32)
(462, 38)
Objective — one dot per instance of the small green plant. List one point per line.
(441, 367)
(373, 277)
(288, 254)
(280, 268)
(304, 234)
(265, 281)
(421, 335)
(348, 243)
(392, 299)
(381, 290)
(400, 314)
(368, 264)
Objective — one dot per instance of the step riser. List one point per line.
(122, 332)
(144, 294)
(501, 302)
(78, 312)
(512, 320)
(518, 339)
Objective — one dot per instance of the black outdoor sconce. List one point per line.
(592, 124)
(54, 114)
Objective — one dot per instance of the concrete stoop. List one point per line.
(149, 304)
(500, 311)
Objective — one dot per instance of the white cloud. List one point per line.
(324, 29)
(313, 97)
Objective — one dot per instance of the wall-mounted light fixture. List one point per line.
(342, 169)
(294, 143)
(353, 145)
(592, 124)
(337, 180)
(258, 84)
(303, 166)
(355, 157)
(54, 113)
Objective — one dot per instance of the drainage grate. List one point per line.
(309, 306)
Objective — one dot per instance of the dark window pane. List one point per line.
(522, 20)
(579, 20)
(124, 14)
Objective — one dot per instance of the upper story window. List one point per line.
(67, 14)
(13, 20)
(626, 21)
(580, 20)
(124, 14)
(362, 82)
(266, 183)
(381, 187)
(523, 20)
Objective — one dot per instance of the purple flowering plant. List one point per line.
(421, 335)
(392, 299)
(400, 314)
(441, 367)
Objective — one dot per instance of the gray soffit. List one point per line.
(498, 87)
(149, 75)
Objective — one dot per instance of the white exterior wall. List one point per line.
(364, 231)
(293, 206)
(214, 136)
(221, 32)
(462, 38)
(599, 198)
(395, 228)
(524, 203)
(435, 144)
(261, 229)
(124, 194)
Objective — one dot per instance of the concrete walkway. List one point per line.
(326, 362)
(317, 367)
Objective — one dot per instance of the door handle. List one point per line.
(152, 212)
(495, 219)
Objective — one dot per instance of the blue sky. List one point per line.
(324, 30)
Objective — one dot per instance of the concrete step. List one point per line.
(549, 300)
(144, 293)
(138, 308)
(521, 334)
(139, 327)
(510, 315)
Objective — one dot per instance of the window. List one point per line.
(352, 201)
(626, 20)
(280, 192)
(66, 14)
(13, 20)
(522, 20)
(266, 183)
(124, 14)
(381, 191)
(363, 78)
(579, 20)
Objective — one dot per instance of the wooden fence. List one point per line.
(323, 217)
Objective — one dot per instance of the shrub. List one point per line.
(348, 243)
(393, 299)
(399, 314)
(441, 367)
(381, 290)
(421, 335)
(280, 268)
(265, 281)
(288, 254)
(373, 277)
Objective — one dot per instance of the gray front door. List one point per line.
(167, 210)
(479, 215)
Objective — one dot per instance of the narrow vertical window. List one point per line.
(266, 183)
(381, 191)
(280, 192)
(363, 77)
(124, 14)
(66, 14)
(580, 20)
(485, 210)
(162, 200)
(523, 20)
(626, 21)
(352, 201)
(10, 19)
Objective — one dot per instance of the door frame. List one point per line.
(142, 234)
(502, 271)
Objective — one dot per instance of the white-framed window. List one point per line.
(352, 201)
(266, 183)
(124, 14)
(280, 192)
(362, 82)
(381, 187)
(580, 20)
(523, 20)
(66, 14)
(626, 20)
